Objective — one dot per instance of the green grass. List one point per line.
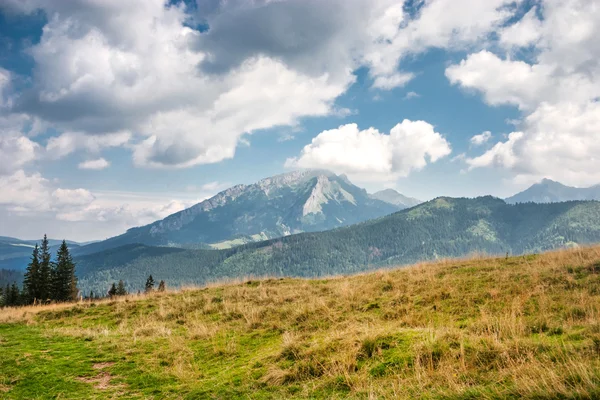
(520, 327)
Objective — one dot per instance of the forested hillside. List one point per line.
(444, 227)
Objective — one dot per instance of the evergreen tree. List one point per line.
(45, 277)
(31, 281)
(149, 284)
(112, 291)
(64, 282)
(121, 291)
(2, 297)
(13, 297)
(6, 299)
(161, 286)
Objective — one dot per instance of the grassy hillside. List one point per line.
(445, 227)
(517, 327)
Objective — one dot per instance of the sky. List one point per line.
(116, 113)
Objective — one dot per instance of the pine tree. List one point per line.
(64, 282)
(31, 281)
(2, 297)
(45, 281)
(6, 300)
(13, 297)
(161, 286)
(112, 291)
(121, 291)
(149, 284)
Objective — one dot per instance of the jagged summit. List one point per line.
(293, 202)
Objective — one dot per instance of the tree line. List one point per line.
(119, 289)
(44, 280)
(48, 281)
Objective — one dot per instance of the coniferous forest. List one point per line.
(45, 280)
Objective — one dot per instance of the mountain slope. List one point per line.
(304, 201)
(549, 191)
(444, 227)
(393, 197)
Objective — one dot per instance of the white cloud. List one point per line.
(372, 155)
(137, 67)
(22, 191)
(501, 154)
(480, 139)
(454, 24)
(525, 32)
(15, 152)
(97, 73)
(34, 194)
(502, 81)
(392, 81)
(97, 164)
(30, 204)
(558, 141)
(557, 90)
(411, 95)
(69, 142)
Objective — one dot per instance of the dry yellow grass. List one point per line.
(473, 328)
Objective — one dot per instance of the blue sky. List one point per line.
(115, 114)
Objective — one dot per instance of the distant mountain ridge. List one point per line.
(443, 227)
(393, 197)
(15, 253)
(295, 202)
(549, 191)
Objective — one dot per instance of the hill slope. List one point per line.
(303, 201)
(444, 227)
(548, 191)
(513, 328)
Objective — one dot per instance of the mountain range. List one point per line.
(314, 223)
(549, 191)
(301, 201)
(443, 227)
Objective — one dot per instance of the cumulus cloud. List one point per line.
(71, 197)
(32, 193)
(97, 164)
(557, 90)
(97, 73)
(558, 141)
(31, 197)
(525, 32)
(186, 97)
(20, 191)
(69, 142)
(15, 151)
(372, 155)
(480, 139)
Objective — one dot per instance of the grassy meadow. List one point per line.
(479, 328)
